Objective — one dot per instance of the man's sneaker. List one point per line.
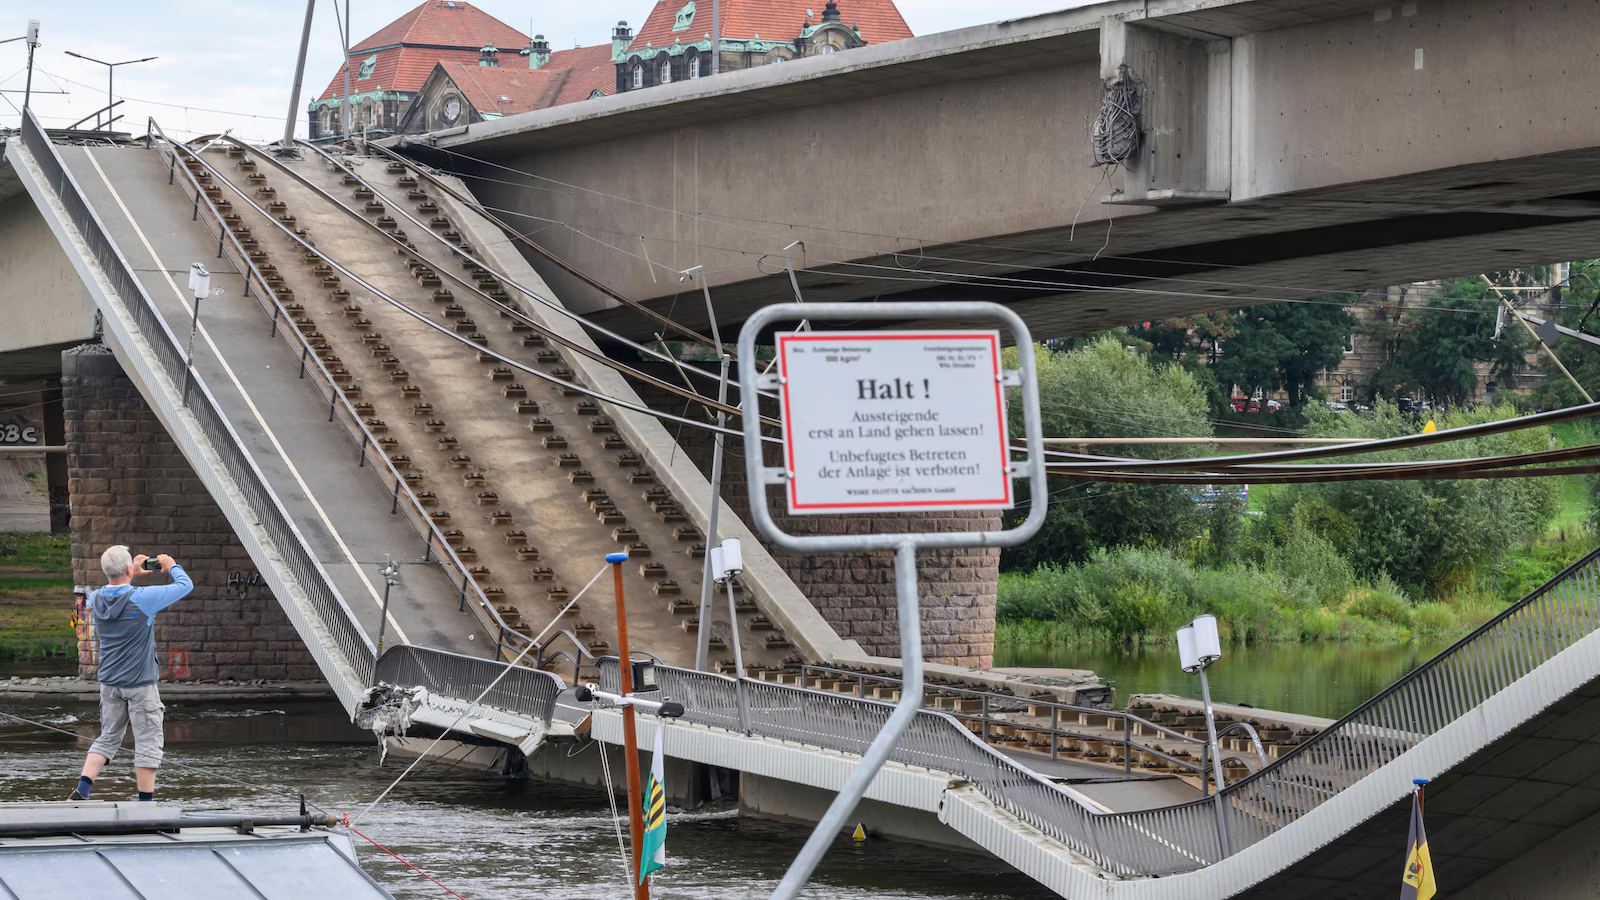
(76, 796)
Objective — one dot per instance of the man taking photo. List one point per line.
(124, 625)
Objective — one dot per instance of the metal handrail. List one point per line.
(1185, 837)
(296, 554)
(1419, 704)
(522, 690)
(488, 617)
(1054, 729)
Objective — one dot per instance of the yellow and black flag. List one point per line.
(1417, 882)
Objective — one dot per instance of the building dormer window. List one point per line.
(367, 65)
(594, 94)
(828, 48)
(638, 75)
(685, 17)
(666, 70)
(692, 60)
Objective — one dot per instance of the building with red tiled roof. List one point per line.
(457, 93)
(389, 69)
(675, 41)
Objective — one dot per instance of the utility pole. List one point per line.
(111, 75)
(630, 735)
(702, 652)
(299, 75)
(716, 37)
(33, 44)
(345, 34)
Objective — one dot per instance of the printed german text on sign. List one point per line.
(883, 421)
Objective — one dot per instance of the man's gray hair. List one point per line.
(115, 562)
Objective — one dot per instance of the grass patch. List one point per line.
(31, 630)
(27, 551)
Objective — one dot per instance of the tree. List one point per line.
(1286, 345)
(1439, 347)
(1103, 390)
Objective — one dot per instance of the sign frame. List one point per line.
(761, 477)
(892, 343)
(905, 545)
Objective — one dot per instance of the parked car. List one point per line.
(1212, 494)
(1338, 407)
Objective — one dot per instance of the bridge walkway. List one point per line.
(310, 462)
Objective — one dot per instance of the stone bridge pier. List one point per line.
(130, 484)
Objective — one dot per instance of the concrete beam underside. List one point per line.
(1348, 147)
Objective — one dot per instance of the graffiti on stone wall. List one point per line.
(178, 663)
(18, 431)
(242, 582)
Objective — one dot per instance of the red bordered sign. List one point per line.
(893, 421)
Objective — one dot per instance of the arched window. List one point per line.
(666, 70)
(775, 58)
(638, 75)
(596, 93)
(828, 48)
(693, 62)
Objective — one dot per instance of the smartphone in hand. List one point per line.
(152, 565)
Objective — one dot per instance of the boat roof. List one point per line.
(275, 863)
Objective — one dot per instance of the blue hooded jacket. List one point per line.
(124, 621)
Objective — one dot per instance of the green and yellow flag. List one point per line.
(1417, 882)
(654, 845)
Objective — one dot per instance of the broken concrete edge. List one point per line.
(1292, 721)
(775, 593)
(179, 692)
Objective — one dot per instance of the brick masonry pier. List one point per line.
(129, 484)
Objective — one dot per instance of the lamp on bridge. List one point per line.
(727, 561)
(1199, 647)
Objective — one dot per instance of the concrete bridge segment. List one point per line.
(1292, 148)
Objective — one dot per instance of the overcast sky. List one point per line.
(230, 64)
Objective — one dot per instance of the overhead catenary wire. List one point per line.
(516, 364)
(472, 289)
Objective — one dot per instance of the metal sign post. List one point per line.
(890, 421)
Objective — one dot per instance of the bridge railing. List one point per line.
(405, 500)
(1178, 838)
(1435, 694)
(529, 692)
(848, 724)
(294, 554)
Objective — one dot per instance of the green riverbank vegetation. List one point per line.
(1362, 561)
(36, 597)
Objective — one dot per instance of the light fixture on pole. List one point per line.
(200, 286)
(111, 71)
(1198, 647)
(727, 561)
(32, 37)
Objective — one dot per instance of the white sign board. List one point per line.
(893, 421)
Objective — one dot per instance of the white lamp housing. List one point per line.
(199, 281)
(1206, 643)
(732, 557)
(717, 572)
(1187, 657)
(33, 31)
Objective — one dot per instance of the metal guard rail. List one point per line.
(1056, 729)
(528, 692)
(340, 408)
(335, 615)
(1179, 838)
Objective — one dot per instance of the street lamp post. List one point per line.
(1199, 647)
(111, 71)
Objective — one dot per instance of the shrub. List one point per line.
(1381, 601)
(1313, 567)
(1434, 620)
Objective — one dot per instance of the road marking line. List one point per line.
(183, 300)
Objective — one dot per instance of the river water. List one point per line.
(483, 835)
(1314, 679)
